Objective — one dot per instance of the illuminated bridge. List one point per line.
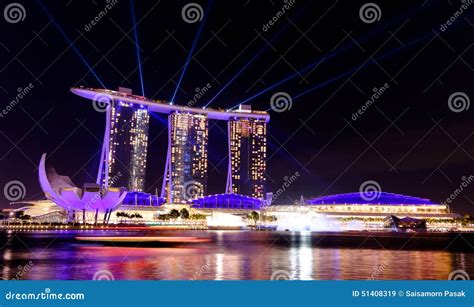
(124, 151)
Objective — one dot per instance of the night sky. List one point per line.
(413, 139)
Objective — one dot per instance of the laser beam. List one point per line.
(344, 48)
(71, 43)
(267, 44)
(359, 67)
(134, 21)
(191, 51)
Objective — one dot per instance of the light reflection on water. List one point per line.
(230, 255)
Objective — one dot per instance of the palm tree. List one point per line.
(254, 216)
(184, 213)
(174, 214)
(121, 215)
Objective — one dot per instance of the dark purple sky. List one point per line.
(408, 140)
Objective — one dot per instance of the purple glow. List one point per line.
(165, 107)
(358, 198)
(227, 201)
(60, 190)
(142, 199)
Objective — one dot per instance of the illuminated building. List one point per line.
(91, 197)
(247, 157)
(185, 173)
(186, 162)
(227, 202)
(353, 211)
(382, 205)
(128, 146)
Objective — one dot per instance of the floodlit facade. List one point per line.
(247, 157)
(382, 205)
(227, 202)
(123, 158)
(186, 165)
(353, 211)
(128, 141)
(91, 197)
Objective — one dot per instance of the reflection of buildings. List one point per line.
(247, 160)
(128, 146)
(186, 162)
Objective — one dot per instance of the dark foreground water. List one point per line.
(229, 255)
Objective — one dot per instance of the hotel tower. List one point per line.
(247, 157)
(124, 151)
(186, 162)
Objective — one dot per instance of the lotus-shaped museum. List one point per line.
(62, 191)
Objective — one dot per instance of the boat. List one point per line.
(142, 241)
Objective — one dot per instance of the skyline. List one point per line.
(408, 140)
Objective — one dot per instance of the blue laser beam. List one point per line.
(162, 120)
(239, 72)
(191, 51)
(344, 48)
(359, 67)
(135, 32)
(71, 43)
(291, 76)
(387, 54)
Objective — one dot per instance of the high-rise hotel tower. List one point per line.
(186, 162)
(124, 152)
(247, 157)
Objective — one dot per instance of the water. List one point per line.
(230, 255)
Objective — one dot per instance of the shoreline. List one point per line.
(445, 241)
